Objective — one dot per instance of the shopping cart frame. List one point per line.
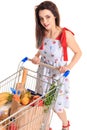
(23, 80)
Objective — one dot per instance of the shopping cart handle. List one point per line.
(66, 73)
(25, 59)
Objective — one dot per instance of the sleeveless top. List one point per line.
(62, 38)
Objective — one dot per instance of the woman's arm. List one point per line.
(36, 59)
(72, 44)
(37, 54)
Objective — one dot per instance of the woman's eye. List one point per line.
(41, 19)
(47, 17)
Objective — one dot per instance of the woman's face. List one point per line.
(47, 19)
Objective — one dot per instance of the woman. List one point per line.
(52, 42)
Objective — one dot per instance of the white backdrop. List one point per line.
(17, 40)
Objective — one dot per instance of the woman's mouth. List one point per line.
(46, 25)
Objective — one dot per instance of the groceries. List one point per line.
(4, 113)
(18, 100)
(5, 97)
(26, 97)
(50, 95)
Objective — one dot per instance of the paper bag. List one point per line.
(28, 118)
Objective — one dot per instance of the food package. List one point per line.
(4, 111)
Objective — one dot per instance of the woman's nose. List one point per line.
(44, 21)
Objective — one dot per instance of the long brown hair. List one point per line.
(40, 30)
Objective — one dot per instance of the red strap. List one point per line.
(64, 44)
(42, 46)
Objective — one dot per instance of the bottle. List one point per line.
(12, 125)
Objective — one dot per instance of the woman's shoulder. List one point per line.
(64, 32)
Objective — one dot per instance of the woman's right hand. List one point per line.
(35, 60)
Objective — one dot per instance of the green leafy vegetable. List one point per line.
(50, 96)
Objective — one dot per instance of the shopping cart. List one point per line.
(37, 114)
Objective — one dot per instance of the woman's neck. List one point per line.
(53, 33)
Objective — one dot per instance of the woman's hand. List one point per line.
(63, 69)
(35, 60)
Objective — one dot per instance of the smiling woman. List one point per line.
(52, 43)
(17, 34)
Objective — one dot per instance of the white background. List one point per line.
(17, 40)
